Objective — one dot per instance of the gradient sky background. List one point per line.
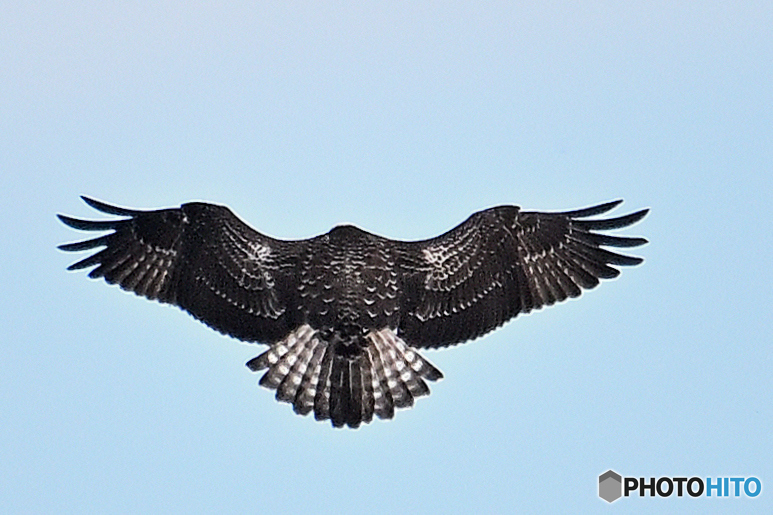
(403, 118)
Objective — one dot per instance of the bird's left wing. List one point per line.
(503, 261)
(200, 257)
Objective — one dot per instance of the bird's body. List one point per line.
(344, 312)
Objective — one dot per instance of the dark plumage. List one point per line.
(343, 312)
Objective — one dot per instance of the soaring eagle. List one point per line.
(344, 312)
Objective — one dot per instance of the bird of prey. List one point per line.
(344, 313)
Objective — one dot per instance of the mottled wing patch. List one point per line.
(451, 263)
(244, 275)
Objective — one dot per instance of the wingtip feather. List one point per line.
(89, 225)
(108, 208)
(612, 223)
(593, 210)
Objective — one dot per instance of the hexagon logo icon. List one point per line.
(610, 486)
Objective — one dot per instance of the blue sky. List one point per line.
(402, 118)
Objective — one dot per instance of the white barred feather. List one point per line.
(304, 397)
(307, 372)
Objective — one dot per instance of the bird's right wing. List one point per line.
(501, 262)
(200, 257)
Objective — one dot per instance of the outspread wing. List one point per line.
(200, 257)
(501, 262)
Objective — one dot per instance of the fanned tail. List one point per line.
(348, 388)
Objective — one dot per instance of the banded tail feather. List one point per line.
(346, 388)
